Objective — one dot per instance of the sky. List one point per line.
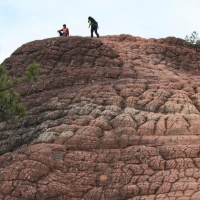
(23, 21)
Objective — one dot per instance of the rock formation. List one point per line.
(111, 118)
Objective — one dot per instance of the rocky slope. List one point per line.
(111, 118)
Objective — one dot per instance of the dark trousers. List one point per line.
(61, 33)
(94, 29)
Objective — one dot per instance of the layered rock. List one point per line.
(111, 118)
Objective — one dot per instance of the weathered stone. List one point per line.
(111, 118)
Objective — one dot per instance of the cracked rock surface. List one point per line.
(110, 118)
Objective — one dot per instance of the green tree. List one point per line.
(32, 71)
(10, 107)
(192, 39)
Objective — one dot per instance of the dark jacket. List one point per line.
(92, 22)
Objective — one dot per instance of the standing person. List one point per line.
(94, 26)
(64, 31)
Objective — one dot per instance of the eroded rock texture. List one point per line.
(111, 118)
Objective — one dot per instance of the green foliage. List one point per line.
(198, 42)
(32, 72)
(192, 39)
(10, 107)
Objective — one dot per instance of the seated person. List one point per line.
(64, 31)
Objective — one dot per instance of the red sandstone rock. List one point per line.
(111, 118)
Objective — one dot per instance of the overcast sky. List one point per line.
(22, 21)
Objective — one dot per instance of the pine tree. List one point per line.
(11, 108)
